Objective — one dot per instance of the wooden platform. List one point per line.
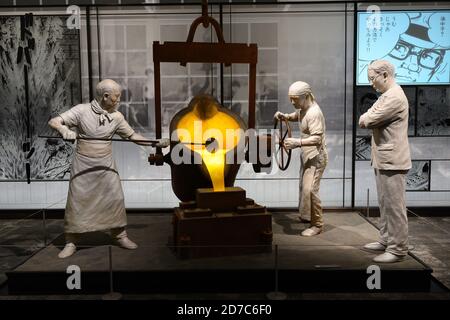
(332, 261)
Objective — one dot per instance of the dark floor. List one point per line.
(429, 238)
(338, 246)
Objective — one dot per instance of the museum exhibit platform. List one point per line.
(333, 261)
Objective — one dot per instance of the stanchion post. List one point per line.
(111, 295)
(276, 295)
(367, 204)
(44, 226)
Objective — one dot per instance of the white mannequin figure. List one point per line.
(314, 153)
(391, 160)
(95, 199)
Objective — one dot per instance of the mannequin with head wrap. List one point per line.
(314, 153)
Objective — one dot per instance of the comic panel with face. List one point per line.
(416, 43)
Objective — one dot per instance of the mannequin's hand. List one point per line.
(279, 116)
(163, 143)
(361, 122)
(292, 143)
(68, 134)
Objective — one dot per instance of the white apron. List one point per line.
(95, 200)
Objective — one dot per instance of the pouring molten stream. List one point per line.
(207, 121)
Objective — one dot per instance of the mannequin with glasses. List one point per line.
(391, 160)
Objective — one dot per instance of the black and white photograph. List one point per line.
(52, 85)
(266, 99)
(363, 146)
(433, 111)
(418, 177)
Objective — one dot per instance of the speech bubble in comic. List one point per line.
(378, 32)
(439, 31)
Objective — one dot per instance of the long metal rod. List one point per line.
(89, 51)
(354, 123)
(44, 226)
(101, 139)
(123, 140)
(345, 104)
(368, 203)
(27, 100)
(416, 103)
(99, 57)
(276, 268)
(157, 84)
(221, 65)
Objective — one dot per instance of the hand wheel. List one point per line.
(281, 132)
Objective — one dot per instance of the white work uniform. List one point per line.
(391, 160)
(95, 200)
(314, 161)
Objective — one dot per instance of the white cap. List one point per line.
(299, 88)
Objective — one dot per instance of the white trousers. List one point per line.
(310, 206)
(393, 216)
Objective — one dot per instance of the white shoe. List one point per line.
(312, 231)
(68, 250)
(126, 243)
(375, 246)
(388, 257)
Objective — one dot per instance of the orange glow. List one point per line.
(204, 122)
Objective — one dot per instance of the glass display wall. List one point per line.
(415, 38)
(312, 42)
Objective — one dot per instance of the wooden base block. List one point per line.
(221, 201)
(222, 234)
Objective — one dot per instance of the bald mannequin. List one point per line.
(108, 98)
(95, 200)
(314, 153)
